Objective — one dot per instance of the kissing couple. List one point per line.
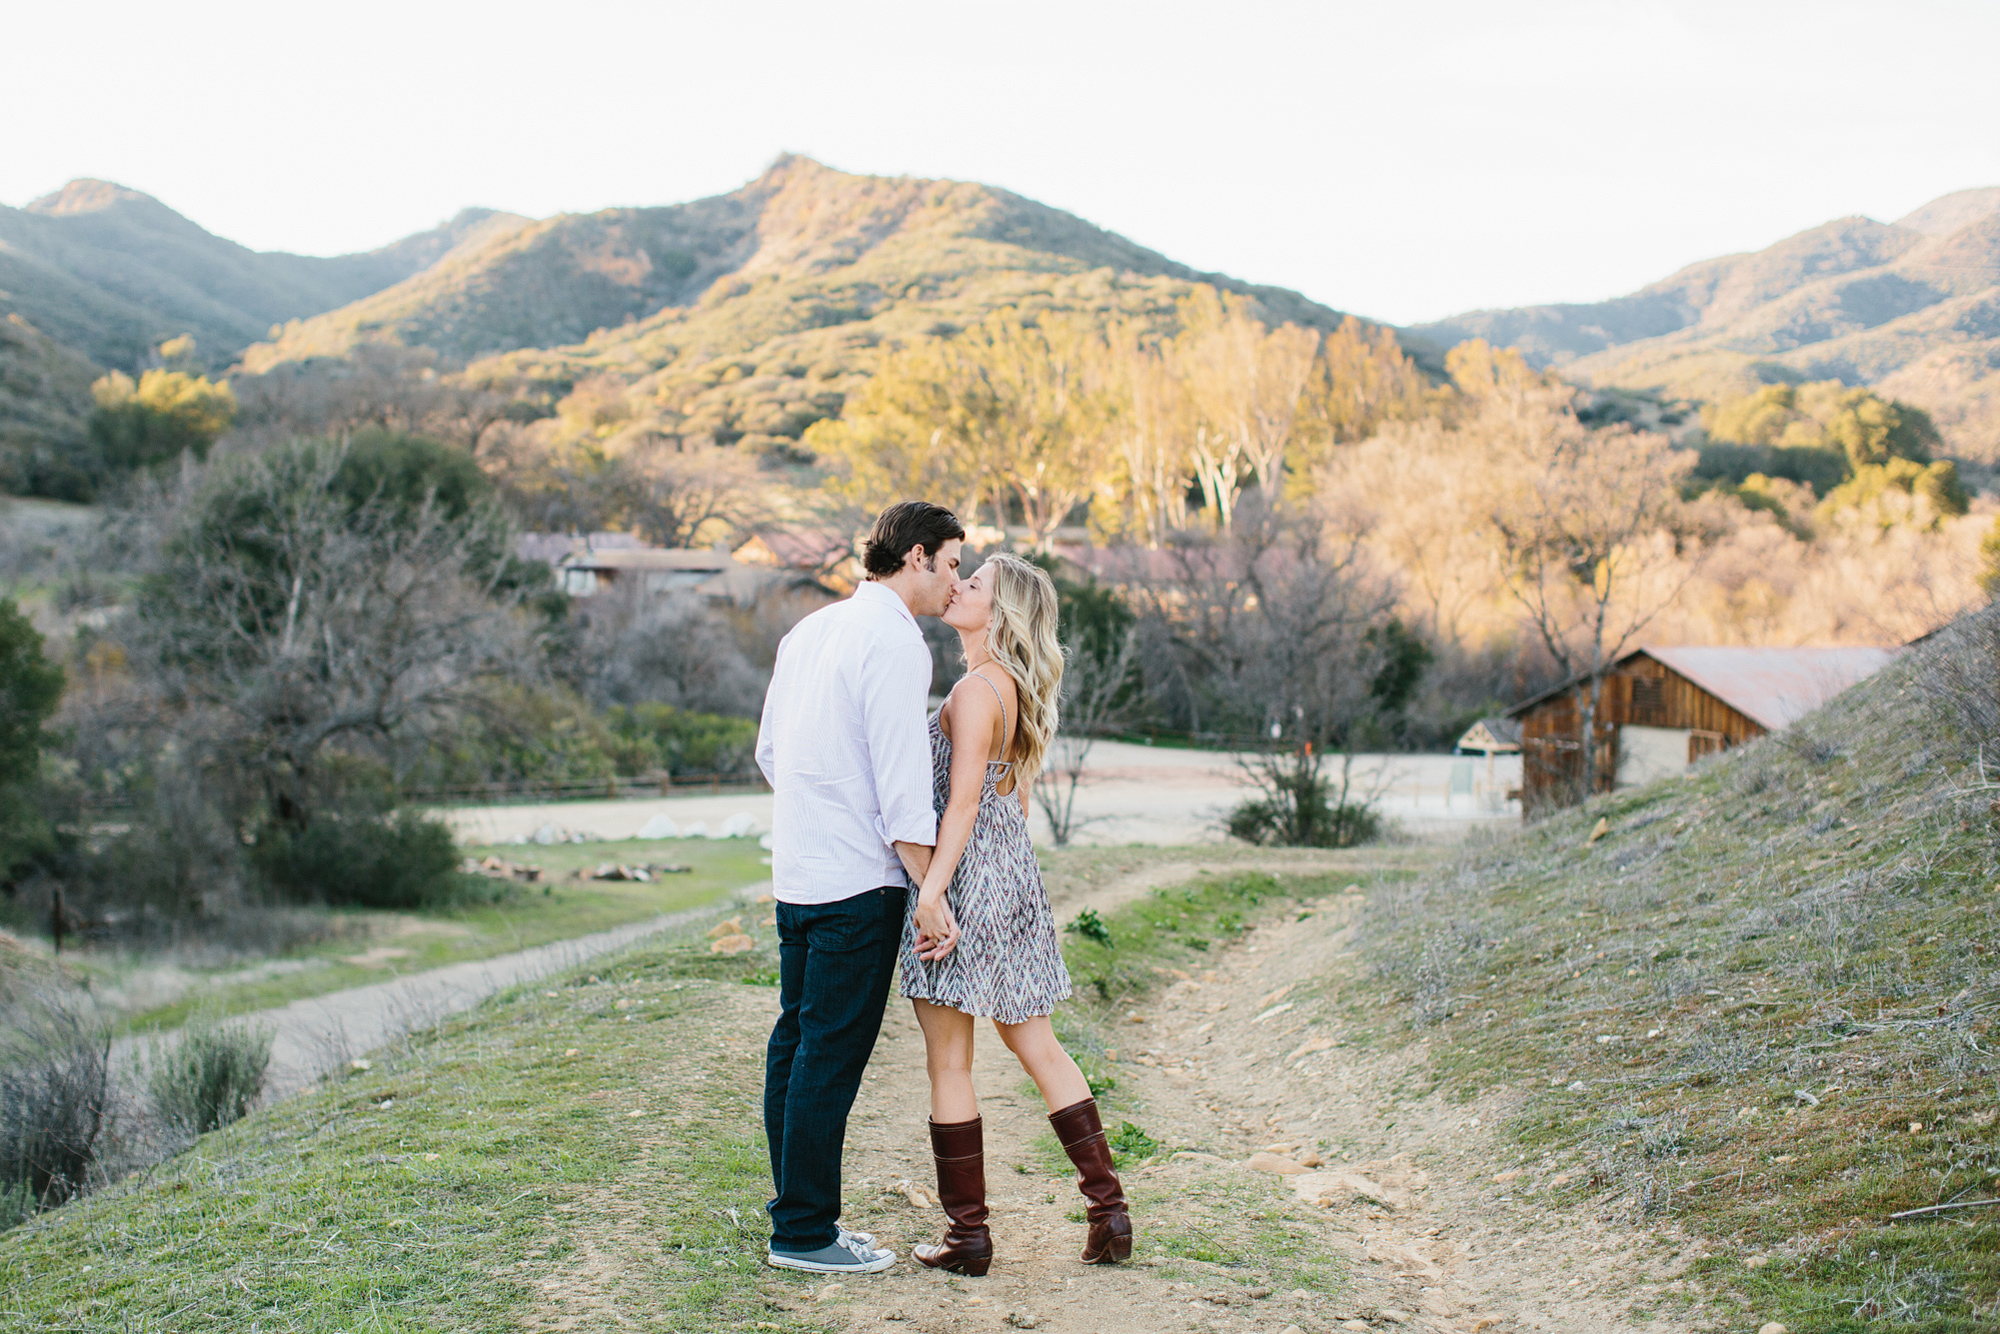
(873, 798)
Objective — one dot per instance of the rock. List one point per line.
(1194, 1156)
(1271, 1162)
(894, 1313)
(736, 944)
(1501, 1178)
(1308, 1048)
(361, 1063)
(546, 835)
(1773, 1328)
(1395, 1317)
(1390, 1184)
(660, 826)
(699, 829)
(1310, 1159)
(1352, 1324)
(1294, 1329)
(732, 927)
(736, 826)
(918, 1197)
(1578, 1086)
(1603, 828)
(1022, 1320)
(1758, 1261)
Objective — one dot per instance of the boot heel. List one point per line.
(974, 1268)
(1121, 1249)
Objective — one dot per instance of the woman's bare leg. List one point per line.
(948, 1057)
(1041, 1054)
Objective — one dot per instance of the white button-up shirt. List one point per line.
(845, 745)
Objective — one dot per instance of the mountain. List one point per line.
(95, 276)
(754, 311)
(1911, 307)
(110, 272)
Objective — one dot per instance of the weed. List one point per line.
(54, 1095)
(210, 1078)
(1090, 926)
(1130, 1143)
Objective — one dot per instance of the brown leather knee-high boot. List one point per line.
(961, 1170)
(1082, 1137)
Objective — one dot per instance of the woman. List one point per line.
(980, 941)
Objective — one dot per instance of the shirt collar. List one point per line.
(870, 591)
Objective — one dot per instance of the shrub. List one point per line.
(690, 742)
(55, 1058)
(1091, 927)
(1290, 819)
(400, 860)
(210, 1077)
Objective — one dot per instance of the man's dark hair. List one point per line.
(909, 523)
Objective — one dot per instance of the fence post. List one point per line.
(56, 919)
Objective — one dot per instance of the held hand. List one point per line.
(937, 928)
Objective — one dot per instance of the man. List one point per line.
(845, 746)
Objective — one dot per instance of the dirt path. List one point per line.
(1231, 1063)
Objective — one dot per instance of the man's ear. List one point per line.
(917, 556)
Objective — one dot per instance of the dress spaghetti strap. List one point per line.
(1006, 728)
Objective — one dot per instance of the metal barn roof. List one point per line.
(1774, 686)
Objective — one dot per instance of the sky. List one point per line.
(1402, 161)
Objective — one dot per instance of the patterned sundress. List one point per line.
(1008, 963)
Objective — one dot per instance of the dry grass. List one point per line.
(1761, 1007)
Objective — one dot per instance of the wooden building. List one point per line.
(1664, 708)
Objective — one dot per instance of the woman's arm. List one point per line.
(971, 718)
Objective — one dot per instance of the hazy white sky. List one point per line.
(1403, 161)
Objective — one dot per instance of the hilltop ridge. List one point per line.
(1910, 307)
(557, 281)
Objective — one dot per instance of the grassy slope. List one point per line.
(559, 909)
(1758, 1008)
(446, 1206)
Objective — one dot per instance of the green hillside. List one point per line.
(1911, 307)
(751, 314)
(1755, 1004)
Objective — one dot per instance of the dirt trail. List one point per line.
(1224, 1062)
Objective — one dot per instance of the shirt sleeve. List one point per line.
(767, 746)
(895, 688)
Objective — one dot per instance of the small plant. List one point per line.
(54, 1093)
(1130, 1142)
(1091, 927)
(210, 1078)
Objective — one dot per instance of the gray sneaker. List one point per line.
(838, 1258)
(860, 1241)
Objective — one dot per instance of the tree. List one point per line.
(30, 688)
(1246, 383)
(1100, 639)
(1280, 629)
(1011, 415)
(1589, 524)
(295, 610)
(166, 414)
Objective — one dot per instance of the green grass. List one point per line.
(1760, 1008)
(453, 1185)
(560, 908)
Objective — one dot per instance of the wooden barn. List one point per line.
(1664, 708)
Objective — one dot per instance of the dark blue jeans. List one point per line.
(834, 965)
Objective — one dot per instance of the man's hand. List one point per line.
(937, 928)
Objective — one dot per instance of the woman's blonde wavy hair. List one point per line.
(1021, 636)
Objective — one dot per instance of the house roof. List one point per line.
(1774, 686)
(692, 560)
(1770, 686)
(1492, 734)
